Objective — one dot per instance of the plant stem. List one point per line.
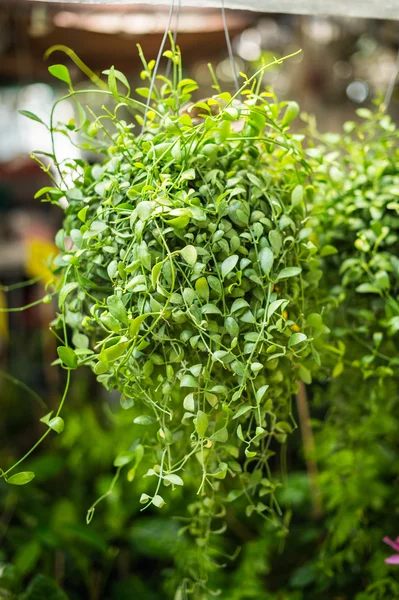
(309, 449)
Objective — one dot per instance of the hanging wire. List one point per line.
(160, 52)
(175, 31)
(392, 82)
(229, 48)
(154, 73)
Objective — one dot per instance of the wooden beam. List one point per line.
(201, 37)
(100, 51)
(373, 9)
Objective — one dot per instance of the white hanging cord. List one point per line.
(175, 31)
(160, 52)
(154, 73)
(229, 48)
(392, 82)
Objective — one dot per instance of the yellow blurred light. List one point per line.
(39, 256)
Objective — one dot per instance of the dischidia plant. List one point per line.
(356, 206)
(184, 282)
(356, 217)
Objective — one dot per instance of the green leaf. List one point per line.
(315, 321)
(82, 214)
(136, 324)
(27, 556)
(95, 229)
(266, 259)
(304, 374)
(242, 410)
(228, 265)
(21, 478)
(221, 435)
(288, 272)
(297, 195)
(175, 479)
(202, 288)
(291, 113)
(249, 453)
(275, 241)
(76, 237)
(158, 501)
(188, 175)
(189, 381)
(215, 284)
(364, 113)
(46, 419)
(367, 288)
(68, 357)
(185, 81)
(145, 209)
(338, 369)
(45, 190)
(232, 327)
(123, 459)
(101, 367)
(238, 304)
(189, 254)
(61, 72)
(233, 495)
(179, 222)
(144, 420)
(328, 250)
(201, 423)
(240, 435)
(210, 309)
(112, 269)
(32, 116)
(114, 351)
(248, 317)
(275, 306)
(297, 338)
(188, 403)
(112, 83)
(126, 402)
(144, 92)
(120, 76)
(57, 424)
(261, 392)
(221, 471)
(65, 291)
(144, 255)
(117, 309)
(156, 270)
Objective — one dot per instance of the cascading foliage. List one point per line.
(189, 280)
(184, 277)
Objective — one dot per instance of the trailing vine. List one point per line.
(189, 280)
(184, 281)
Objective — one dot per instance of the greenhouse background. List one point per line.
(337, 470)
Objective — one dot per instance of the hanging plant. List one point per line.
(355, 214)
(357, 209)
(185, 279)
